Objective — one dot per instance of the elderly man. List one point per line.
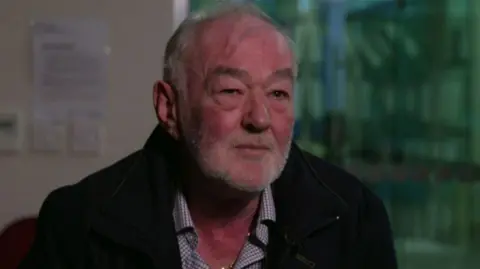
(219, 184)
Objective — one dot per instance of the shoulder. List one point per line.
(367, 218)
(349, 187)
(70, 205)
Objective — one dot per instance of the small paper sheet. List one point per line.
(86, 137)
(49, 136)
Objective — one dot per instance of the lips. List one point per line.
(252, 147)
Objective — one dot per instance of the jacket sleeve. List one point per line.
(377, 237)
(45, 250)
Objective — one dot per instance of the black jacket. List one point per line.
(121, 217)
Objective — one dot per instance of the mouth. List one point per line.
(252, 147)
(252, 151)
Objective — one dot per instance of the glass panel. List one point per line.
(386, 89)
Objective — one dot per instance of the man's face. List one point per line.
(238, 116)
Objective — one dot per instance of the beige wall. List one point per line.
(138, 33)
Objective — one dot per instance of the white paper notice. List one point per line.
(87, 136)
(49, 137)
(70, 71)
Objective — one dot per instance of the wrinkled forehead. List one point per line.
(244, 42)
(237, 26)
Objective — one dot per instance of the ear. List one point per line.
(165, 103)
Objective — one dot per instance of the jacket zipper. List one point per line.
(293, 247)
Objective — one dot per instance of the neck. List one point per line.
(222, 222)
(211, 211)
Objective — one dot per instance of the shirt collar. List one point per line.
(267, 207)
(183, 220)
(181, 214)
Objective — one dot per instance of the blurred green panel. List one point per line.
(411, 125)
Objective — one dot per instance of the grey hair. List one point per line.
(174, 71)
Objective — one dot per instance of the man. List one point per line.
(219, 184)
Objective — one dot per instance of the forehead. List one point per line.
(244, 42)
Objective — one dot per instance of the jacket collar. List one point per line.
(303, 200)
(139, 211)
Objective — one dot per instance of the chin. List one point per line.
(241, 174)
(243, 185)
(250, 179)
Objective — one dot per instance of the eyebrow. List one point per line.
(238, 73)
(283, 73)
(243, 75)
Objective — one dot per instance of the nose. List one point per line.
(256, 118)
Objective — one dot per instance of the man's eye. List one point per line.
(230, 91)
(279, 94)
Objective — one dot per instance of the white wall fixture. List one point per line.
(11, 131)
